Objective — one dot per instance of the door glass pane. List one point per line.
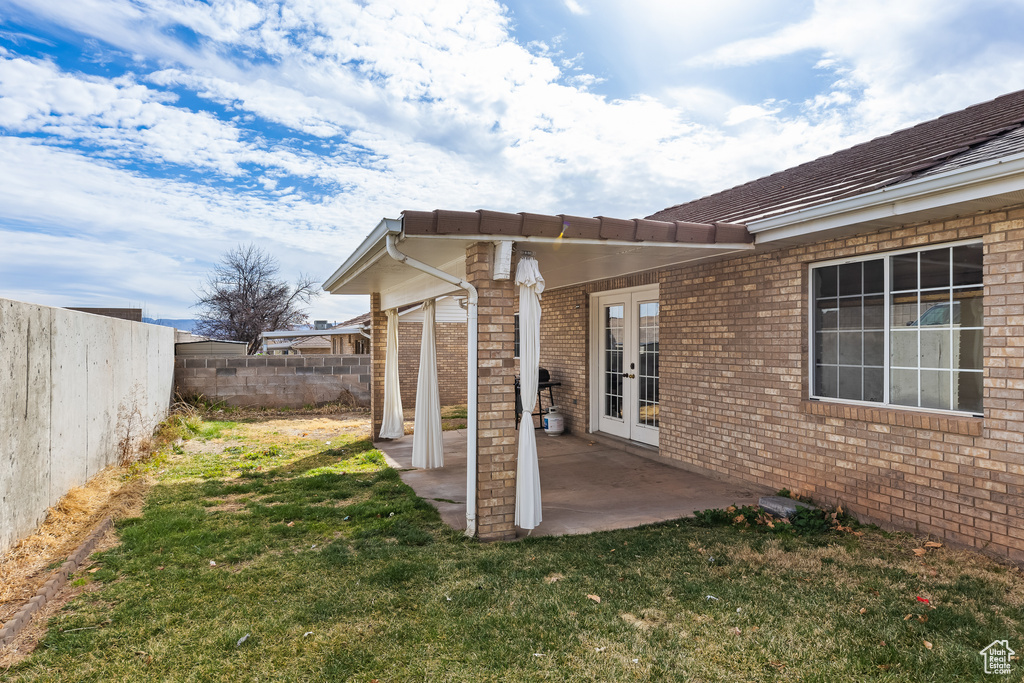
(647, 371)
(614, 337)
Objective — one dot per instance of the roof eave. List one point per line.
(365, 254)
(902, 203)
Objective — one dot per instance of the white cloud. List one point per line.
(318, 118)
(575, 7)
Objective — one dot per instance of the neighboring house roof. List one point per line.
(364, 319)
(312, 343)
(981, 132)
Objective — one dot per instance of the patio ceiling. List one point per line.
(440, 239)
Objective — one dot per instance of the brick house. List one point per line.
(451, 347)
(851, 329)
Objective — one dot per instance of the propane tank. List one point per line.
(554, 423)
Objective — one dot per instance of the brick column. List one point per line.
(496, 436)
(378, 349)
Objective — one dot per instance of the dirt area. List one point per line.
(27, 566)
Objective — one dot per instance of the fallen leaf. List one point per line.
(863, 610)
(293, 523)
(738, 519)
(595, 598)
(907, 617)
(736, 631)
(932, 544)
(884, 667)
(927, 644)
(242, 640)
(94, 570)
(922, 618)
(920, 552)
(778, 665)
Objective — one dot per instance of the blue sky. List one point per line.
(140, 139)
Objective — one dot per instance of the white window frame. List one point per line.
(886, 257)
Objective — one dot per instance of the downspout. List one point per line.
(471, 381)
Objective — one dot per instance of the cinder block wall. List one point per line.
(452, 352)
(274, 381)
(734, 390)
(73, 386)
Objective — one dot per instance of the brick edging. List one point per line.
(53, 585)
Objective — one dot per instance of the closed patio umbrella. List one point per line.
(531, 284)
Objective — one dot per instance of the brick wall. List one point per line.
(451, 347)
(274, 381)
(734, 390)
(565, 343)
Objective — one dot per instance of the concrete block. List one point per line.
(304, 371)
(226, 372)
(780, 506)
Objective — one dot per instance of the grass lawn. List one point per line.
(263, 554)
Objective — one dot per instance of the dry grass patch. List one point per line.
(25, 567)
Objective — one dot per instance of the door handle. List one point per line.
(626, 374)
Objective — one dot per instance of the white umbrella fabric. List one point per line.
(392, 427)
(427, 445)
(531, 284)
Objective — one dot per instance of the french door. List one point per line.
(626, 391)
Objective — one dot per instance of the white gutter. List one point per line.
(974, 182)
(471, 382)
(385, 227)
(536, 239)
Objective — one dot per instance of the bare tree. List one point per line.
(243, 297)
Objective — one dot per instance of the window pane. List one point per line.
(850, 279)
(826, 314)
(903, 387)
(850, 345)
(935, 348)
(969, 350)
(967, 262)
(903, 348)
(874, 381)
(850, 383)
(968, 386)
(825, 280)
(850, 314)
(903, 310)
(903, 272)
(935, 389)
(967, 310)
(828, 346)
(934, 268)
(826, 381)
(874, 348)
(874, 313)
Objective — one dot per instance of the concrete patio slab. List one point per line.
(586, 485)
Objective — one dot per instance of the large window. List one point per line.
(903, 329)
